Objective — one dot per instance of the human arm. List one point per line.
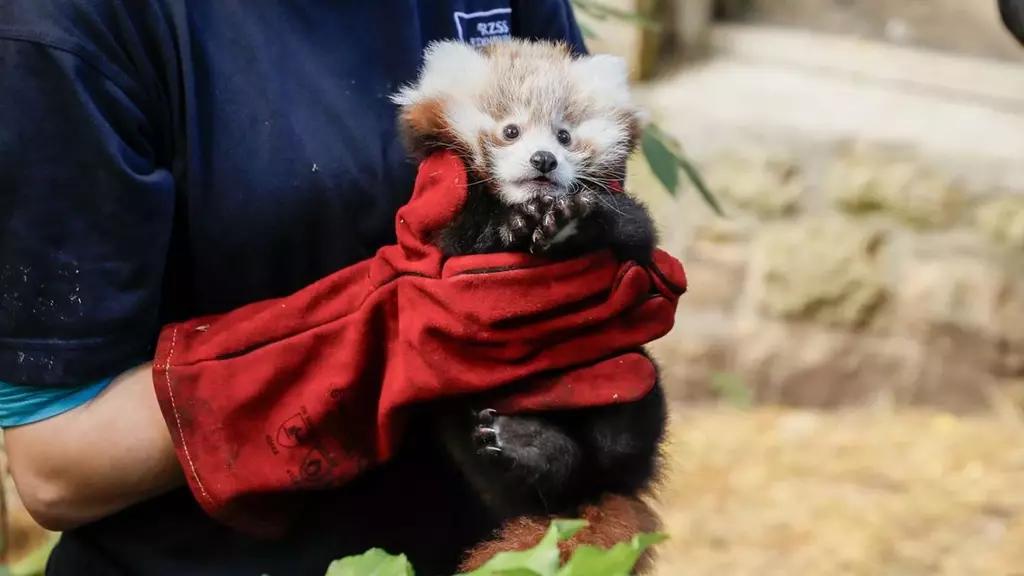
(95, 459)
(85, 212)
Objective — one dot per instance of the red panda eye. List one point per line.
(511, 132)
(564, 138)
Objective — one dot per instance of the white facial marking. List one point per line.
(512, 165)
(602, 134)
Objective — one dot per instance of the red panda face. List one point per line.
(528, 118)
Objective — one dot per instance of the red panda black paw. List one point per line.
(531, 452)
(485, 434)
(521, 222)
(557, 218)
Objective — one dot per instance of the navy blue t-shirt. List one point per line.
(164, 159)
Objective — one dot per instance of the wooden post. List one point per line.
(650, 44)
(684, 29)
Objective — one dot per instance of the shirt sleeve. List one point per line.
(547, 20)
(85, 215)
(20, 405)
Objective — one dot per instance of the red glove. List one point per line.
(306, 391)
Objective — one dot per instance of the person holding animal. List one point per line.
(230, 340)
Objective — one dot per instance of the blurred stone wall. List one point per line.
(873, 248)
(865, 275)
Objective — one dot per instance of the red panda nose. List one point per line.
(544, 161)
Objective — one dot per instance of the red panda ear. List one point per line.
(603, 78)
(424, 127)
(452, 77)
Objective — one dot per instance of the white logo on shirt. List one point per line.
(480, 28)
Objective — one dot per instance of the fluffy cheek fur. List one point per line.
(605, 144)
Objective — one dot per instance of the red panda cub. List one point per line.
(545, 137)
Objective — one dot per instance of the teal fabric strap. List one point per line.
(20, 405)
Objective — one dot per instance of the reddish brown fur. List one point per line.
(424, 126)
(612, 520)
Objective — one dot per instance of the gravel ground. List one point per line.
(774, 491)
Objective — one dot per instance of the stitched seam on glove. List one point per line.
(177, 421)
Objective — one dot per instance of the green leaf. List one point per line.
(565, 529)
(375, 562)
(541, 560)
(618, 560)
(661, 160)
(671, 148)
(698, 182)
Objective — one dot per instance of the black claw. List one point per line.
(489, 451)
(506, 236)
(532, 208)
(565, 207)
(586, 203)
(486, 417)
(484, 437)
(550, 224)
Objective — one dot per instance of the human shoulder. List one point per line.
(100, 32)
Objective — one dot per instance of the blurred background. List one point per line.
(847, 370)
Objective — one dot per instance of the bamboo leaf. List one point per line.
(698, 182)
(618, 560)
(661, 160)
(375, 562)
(541, 560)
(683, 163)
